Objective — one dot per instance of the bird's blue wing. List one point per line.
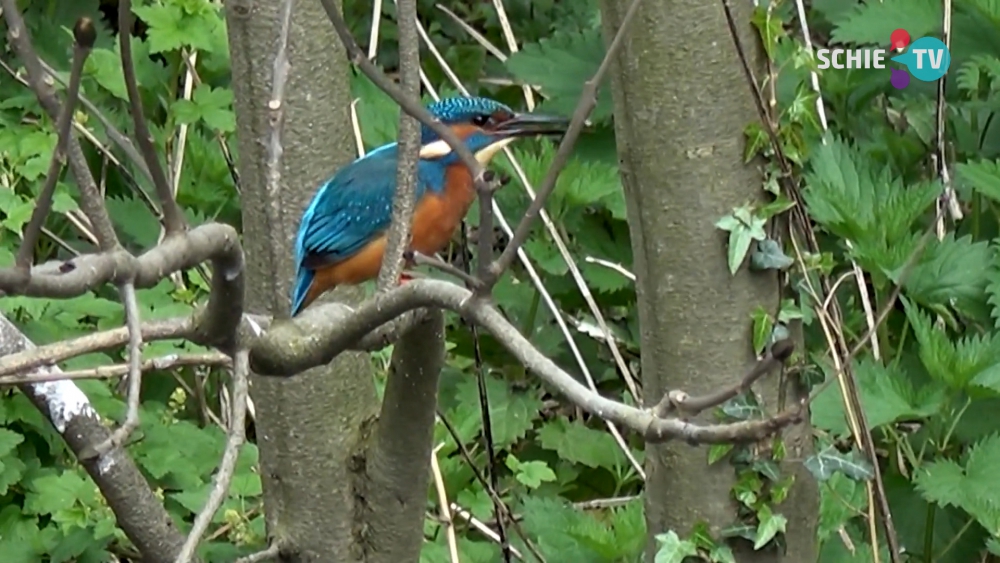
(347, 212)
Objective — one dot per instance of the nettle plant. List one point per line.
(902, 194)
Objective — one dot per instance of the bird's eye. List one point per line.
(480, 120)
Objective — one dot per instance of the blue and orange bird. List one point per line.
(342, 235)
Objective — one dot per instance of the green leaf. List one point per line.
(951, 273)
(531, 474)
(577, 443)
(762, 327)
(8, 441)
(829, 460)
(769, 256)
(673, 549)
(770, 525)
(560, 65)
(512, 413)
(982, 175)
(213, 106)
(874, 22)
(173, 26)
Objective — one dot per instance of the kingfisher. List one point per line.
(342, 234)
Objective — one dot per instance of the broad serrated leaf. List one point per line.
(577, 443)
(560, 65)
(950, 272)
(512, 413)
(874, 22)
(940, 481)
(8, 441)
(134, 219)
(982, 175)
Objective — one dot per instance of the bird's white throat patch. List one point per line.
(440, 148)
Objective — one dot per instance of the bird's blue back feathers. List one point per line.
(351, 209)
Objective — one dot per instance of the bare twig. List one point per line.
(83, 41)
(237, 433)
(271, 552)
(163, 363)
(588, 100)
(408, 148)
(173, 219)
(133, 324)
(679, 402)
(948, 199)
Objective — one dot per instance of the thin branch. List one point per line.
(173, 218)
(133, 324)
(272, 552)
(163, 363)
(408, 148)
(83, 41)
(588, 100)
(91, 201)
(679, 402)
(237, 434)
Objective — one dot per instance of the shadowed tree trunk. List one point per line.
(309, 426)
(681, 103)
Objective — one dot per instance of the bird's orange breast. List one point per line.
(438, 215)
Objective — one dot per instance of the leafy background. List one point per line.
(930, 395)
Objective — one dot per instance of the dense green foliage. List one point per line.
(928, 396)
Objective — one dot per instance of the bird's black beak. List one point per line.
(529, 124)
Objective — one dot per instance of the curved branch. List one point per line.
(294, 346)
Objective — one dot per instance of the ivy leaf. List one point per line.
(769, 256)
(829, 460)
(744, 228)
(673, 549)
(770, 525)
(763, 325)
(560, 65)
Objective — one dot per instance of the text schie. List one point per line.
(872, 58)
(851, 58)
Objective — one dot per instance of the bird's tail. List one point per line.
(303, 282)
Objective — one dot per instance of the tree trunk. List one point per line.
(310, 426)
(681, 103)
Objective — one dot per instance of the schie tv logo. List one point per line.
(927, 59)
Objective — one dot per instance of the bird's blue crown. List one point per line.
(459, 109)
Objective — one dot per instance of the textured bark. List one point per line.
(681, 103)
(309, 427)
(399, 464)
